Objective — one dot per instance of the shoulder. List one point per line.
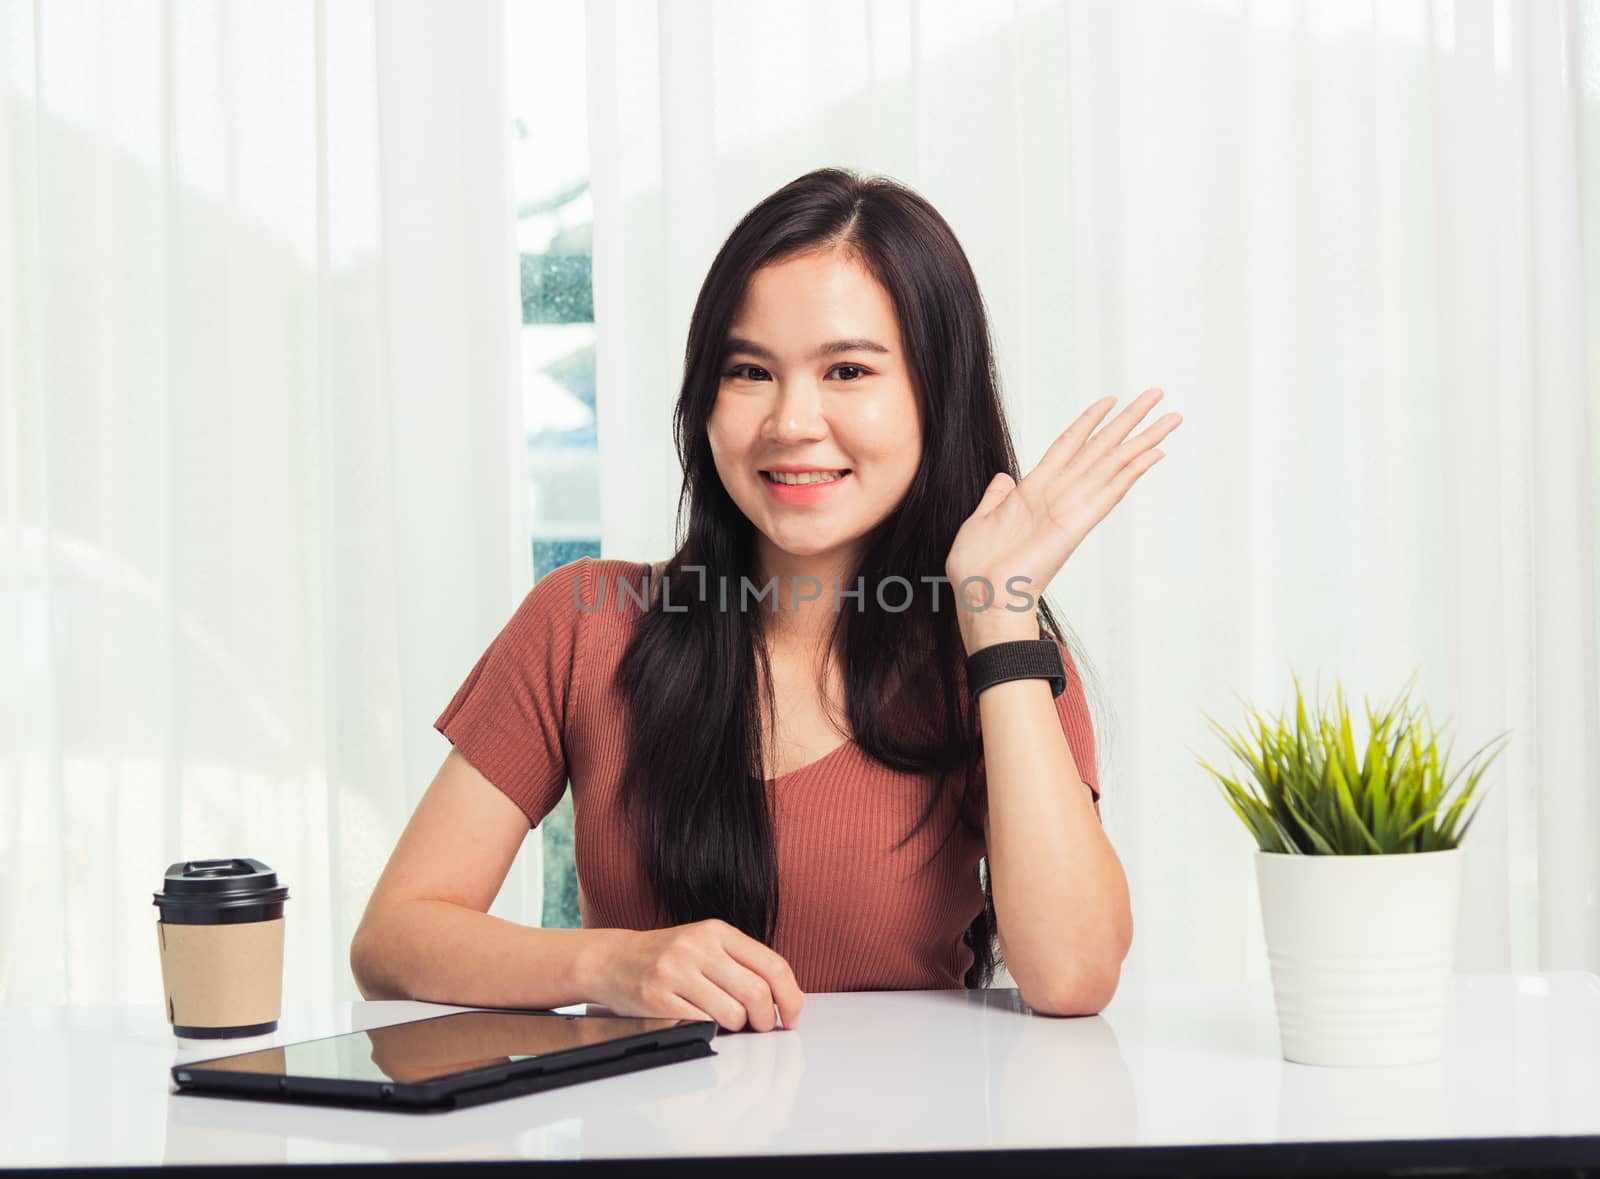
(608, 587)
(616, 566)
(578, 580)
(616, 571)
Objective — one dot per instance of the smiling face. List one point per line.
(814, 383)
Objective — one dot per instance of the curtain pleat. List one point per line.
(264, 497)
(1355, 244)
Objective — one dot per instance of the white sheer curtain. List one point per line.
(261, 479)
(1359, 247)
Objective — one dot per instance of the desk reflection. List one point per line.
(477, 1039)
(1056, 1079)
(1398, 1101)
(941, 1070)
(751, 1104)
(1040, 1080)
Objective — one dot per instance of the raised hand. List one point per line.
(1029, 529)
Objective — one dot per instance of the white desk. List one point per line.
(873, 1072)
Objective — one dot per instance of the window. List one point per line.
(554, 220)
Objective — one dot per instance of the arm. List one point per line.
(427, 934)
(1060, 894)
(1059, 890)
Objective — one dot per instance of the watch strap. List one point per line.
(1017, 660)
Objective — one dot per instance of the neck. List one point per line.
(805, 613)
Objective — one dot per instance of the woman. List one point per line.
(782, 707)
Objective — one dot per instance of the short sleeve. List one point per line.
(509, 718)
(1072, 706)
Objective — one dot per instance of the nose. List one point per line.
(796, 413)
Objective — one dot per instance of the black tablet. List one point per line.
(448, 1061)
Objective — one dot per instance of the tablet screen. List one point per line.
(428, 1048)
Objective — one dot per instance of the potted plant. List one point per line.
(1359, 869)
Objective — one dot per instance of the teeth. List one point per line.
(807, 477)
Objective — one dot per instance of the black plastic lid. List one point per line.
(196, 886)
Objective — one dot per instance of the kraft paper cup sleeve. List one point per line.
(218, 976)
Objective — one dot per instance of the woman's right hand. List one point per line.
(705, 970)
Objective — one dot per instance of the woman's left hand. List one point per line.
(1029, 529)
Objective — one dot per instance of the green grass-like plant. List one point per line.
(1306, 794)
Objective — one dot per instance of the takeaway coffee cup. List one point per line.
(220, 928)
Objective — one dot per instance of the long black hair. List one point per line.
(694, 779)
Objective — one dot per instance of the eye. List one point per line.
(753, 372)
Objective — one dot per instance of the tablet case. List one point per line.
(538, 1075)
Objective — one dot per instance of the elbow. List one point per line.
(1084, 986)
(366, 965)
(1086, 983)
(360, 969)
(1080, 992)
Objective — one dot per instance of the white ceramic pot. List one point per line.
(1361, 949)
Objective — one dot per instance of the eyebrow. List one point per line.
(832, 348)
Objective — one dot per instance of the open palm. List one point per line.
(1029, 529)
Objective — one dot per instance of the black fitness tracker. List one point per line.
(1022, 659)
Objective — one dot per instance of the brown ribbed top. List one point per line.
(855, 914)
